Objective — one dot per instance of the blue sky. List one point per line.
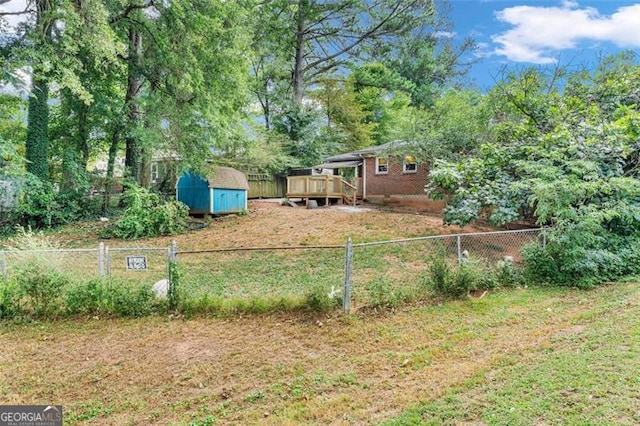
(544, 32)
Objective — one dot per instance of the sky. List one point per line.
(521, 33)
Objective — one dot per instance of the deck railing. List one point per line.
(321, 186)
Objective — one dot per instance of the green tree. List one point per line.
(570, 159)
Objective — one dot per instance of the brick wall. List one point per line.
(395, 182)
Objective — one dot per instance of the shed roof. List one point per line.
(227, 178)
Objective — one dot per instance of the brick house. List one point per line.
(386, 174)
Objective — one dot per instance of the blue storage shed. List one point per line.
(223, 191)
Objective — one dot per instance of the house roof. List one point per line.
(338, 164)
(227, 178)
(366, 152)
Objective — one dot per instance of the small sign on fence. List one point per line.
(137, 263)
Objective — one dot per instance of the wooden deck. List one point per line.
(321, 187)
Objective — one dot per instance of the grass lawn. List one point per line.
(525, 356)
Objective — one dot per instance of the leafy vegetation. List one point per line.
(564, 158)
(146, 214)
(179, 81)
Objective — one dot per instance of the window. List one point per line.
(409, 164)
(154, 172)
(381, 165)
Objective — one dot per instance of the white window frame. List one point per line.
(406, 163)
(154, 172)
(378, 165)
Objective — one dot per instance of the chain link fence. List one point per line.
(380, 268)
(77, 265)
(137, 265)
(358, 272)
(267, 273)
(145, 265)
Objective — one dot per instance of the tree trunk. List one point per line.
(37, 147)
(83, 134)
(298, 66)
(134, 83)
(108, 183)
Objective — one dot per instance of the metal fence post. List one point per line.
(348, 258)
(174, 251)
(107, 256)
(544, 238)
(459, 243)
(172, 257)
(101, 261)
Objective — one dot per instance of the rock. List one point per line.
(161, 288)
(312, 204)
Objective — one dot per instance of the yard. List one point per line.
(520, 356)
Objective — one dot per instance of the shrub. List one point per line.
(443, 279)
(148, 215)
(439, 278)
(89, 298)
(383, 294)
(40, 205)
(508, 274)
(37, 205)
(321, 300)
(36, 273)
(130, 301)
(10, 297)
(582, 256)
(43, 289)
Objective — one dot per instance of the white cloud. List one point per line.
(540, 32)
(444, 34)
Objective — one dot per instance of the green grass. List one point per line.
(259, 273)
(587, 375)
(523, 356)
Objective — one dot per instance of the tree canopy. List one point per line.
(564, 156)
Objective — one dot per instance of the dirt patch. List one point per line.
(272, 224)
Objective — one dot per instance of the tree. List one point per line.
(185, 78)
(570, 159)
(318, 37)
(54, 32)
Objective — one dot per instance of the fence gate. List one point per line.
(144, 265)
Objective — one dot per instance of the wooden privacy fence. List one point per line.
(263, 185)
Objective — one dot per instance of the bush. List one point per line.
(148, 215)
(581, 256)
(445, 280)
(37, 205)
(85, 299)
(43, 289)
(40, 205)
(321, 300)
(383, 294)
(508, 274)
(130, 301)
(10, 297)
